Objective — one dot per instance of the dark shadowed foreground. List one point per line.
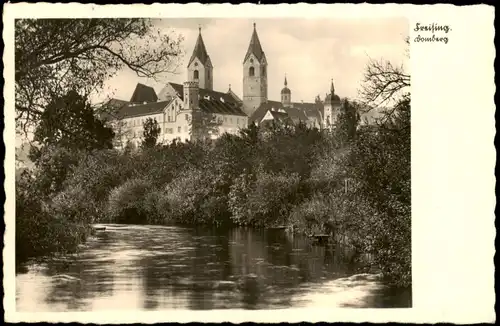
(157, 267)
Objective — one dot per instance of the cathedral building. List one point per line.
(176, 106)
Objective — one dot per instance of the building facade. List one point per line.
(177, 107)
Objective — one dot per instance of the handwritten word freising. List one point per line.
(432, 28)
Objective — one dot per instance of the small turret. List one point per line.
(286, 94)
(191, 95)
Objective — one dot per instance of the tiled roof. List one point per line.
(134, 110)
(199, 51)
(143, 93)
(210, 102)
(217, 106)
(213, 101)
(261, 111)
(116, 103)
(217, 95)
(112, 108)
(204, 92)
(255, 47)
(236, 97)
(179, 89)
(277, 116)
(281, 116)
(297, 112)
(311, 110)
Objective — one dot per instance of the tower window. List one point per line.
(196, 74)
(263, 71)
(196, 64)
(208, 73)
(251, 71)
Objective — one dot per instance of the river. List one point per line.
(157, 267)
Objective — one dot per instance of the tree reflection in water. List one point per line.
(153, 268)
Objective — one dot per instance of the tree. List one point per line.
(380, 163)
(122, 132)
(129, 147)
(385, 84)
(348, 120)
(53, 56)
(69, 121)
(250, 135)
(151, 132)
(203, 125)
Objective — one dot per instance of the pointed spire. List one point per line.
(254, 47)
(286, 83)
(199, 51)
(229, 87)
(332, 89)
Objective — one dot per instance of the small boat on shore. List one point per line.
(280, 227)
(320, 238)
(99, 228)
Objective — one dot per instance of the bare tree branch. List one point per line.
(55, 55)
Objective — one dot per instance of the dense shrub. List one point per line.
(266, 200)
(53, 166)
(192, 197)
(75, 205)
(380, 162)
(127, 203)
(38, 232)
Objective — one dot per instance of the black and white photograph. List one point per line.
(204, 163)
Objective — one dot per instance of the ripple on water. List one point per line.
(356, 291)
(164, 267)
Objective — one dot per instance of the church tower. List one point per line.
(254, 75)
(200, 67)
(286, 95)
(331, 108)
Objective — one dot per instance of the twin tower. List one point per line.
(200, 69)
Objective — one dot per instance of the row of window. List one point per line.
(179, 130)
(230, 119)
(137, 134)
(135, 122)
(140, 121)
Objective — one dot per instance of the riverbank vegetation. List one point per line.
(352, 182)
(353, 186)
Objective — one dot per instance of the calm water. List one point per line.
(154, 267)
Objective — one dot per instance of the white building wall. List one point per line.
(231, 124)
(175, 124)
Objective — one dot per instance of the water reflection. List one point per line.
(152, 268)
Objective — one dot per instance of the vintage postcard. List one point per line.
(265, 163)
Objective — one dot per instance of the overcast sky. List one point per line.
(309, 51)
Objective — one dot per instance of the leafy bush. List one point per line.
(127, 203)
(75, 205)
(380, 162)
(38, 232)
(266, 200)
(53, 166)
(191, 198)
